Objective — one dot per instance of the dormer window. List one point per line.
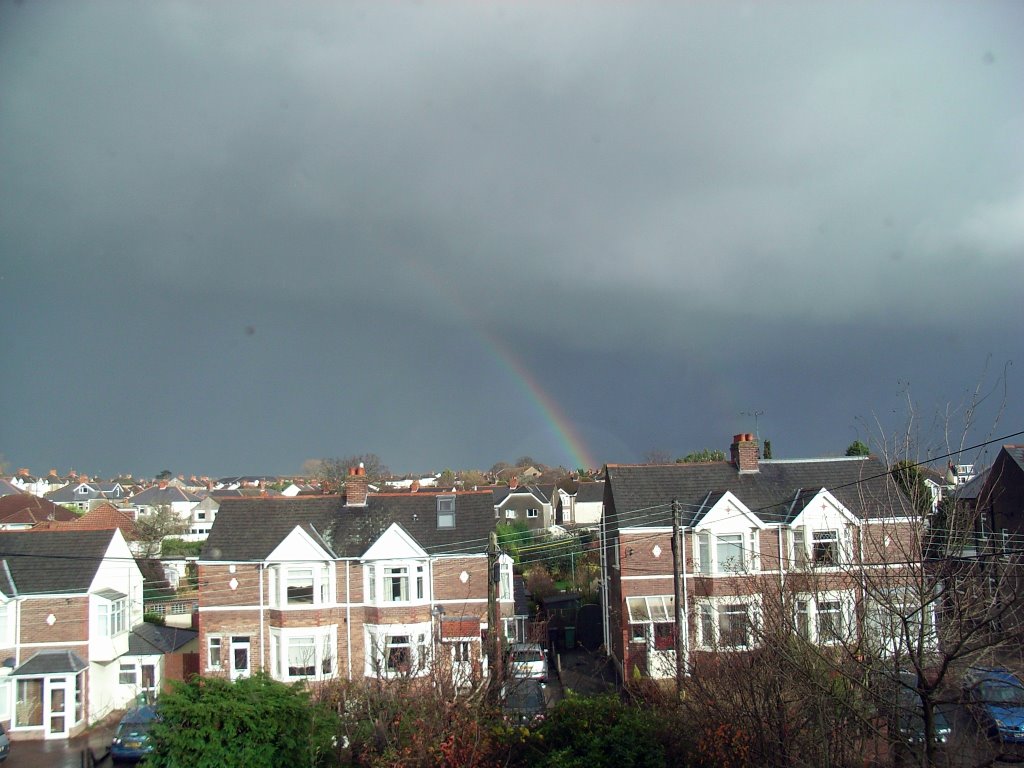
(445, 511)
(817, 548)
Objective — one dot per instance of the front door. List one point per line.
(239, 657)
(56, 715)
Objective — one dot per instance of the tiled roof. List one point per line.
(26, 508)
(642, 494)
(250, 529)
(1016, 452)
(7, 488)
(51, 663)
(103, 517)
(155, 496)
(152, 639)
(53, 561)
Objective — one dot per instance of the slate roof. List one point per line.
(51, 663)
(249, 529)
(154, 640)
(641, 495)
(590, 492)
(1016, 452)
(155, 496)
(46, 562)
(503, 492)
(970, 490)
(26, 508)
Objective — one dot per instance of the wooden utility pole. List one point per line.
(493, 631)
(678, 590)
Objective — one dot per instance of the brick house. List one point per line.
(366, 585)
(817, 529)
(68, 603)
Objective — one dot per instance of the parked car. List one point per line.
(523, 701)
(132, 739)
(995, 697)
(5, 744)
(528, 660)
(909, 715)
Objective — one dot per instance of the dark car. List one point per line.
(132, 739)
(995, 697)
(909, 715)
(523, 701)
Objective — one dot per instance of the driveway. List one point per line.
(64, 754)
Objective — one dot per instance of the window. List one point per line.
(128, 675)
(729, 552)
(300, 584)
(722, 553)
(371, 575)
(823, 619)
(420, 571)
(396, 584)
(664, 637)
(830, 621)
(301, 656)
(725, 625)
(398, 655)
(303, 653)
(5, 699)
(532, 512)
(825, 547)
(445, 511)
(510, 514)
(112, 617)
(398, 650)
(733, 625)
(213, 654)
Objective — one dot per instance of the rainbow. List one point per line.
(552, 414)
(563, 428)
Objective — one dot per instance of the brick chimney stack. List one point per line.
(356, 487)
(745, 452)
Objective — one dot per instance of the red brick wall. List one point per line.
(72, 620)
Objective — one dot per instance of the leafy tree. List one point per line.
(857, 448)
(446, 480)
(174, 547)
(911, 482)
(164, 474)
(514, 536)
(473, 478)
(499, 467)
(252, 722)
(702, 457)
(151, 529)
(526, 461)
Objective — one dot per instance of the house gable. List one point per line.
(394, 544)
(728, 512)
(299, 545)
(823, 509)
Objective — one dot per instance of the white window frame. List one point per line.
(132, 668)
(382, 640)
(211, 642)
(112, 617)
(411, 576)
(710, 614)
(804, 540)
(323, 643)
(283, 575)
(808, 616)
(532, 513)
(510, 514)
(707, 550)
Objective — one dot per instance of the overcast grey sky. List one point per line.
(238, 235)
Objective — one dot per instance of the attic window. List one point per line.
(445, 511)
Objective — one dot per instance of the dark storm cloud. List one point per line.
(790, 208)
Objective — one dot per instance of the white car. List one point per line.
(528, 660)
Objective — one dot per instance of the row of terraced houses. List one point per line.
(370, 585)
